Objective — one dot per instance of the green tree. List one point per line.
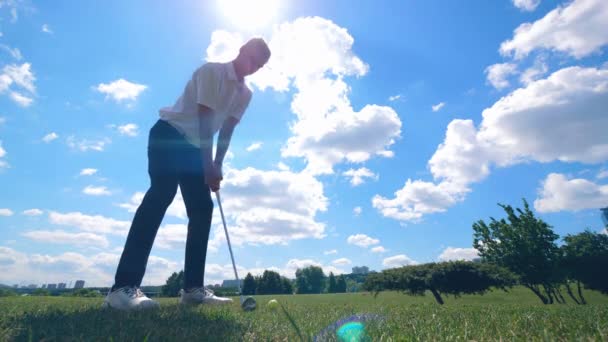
(41, 292)
(286, 286)
(332, 283)
(526, 246)
(341, 284)
(309, 280)
(270, 283)
(249, 285)
(447, 278)
(173, 285)
(585, 259)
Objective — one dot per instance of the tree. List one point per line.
(286, 286)
(585, 259)
(249, 285)
(332, 283)
(309, 279)
(41, 292)
(448, 278)
(270, 283)
(173, 284)
(525, 245)
(341, 284)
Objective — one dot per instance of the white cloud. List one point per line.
(394, 97)
(14, 52)
(357, 211)
(121, 90)
(3, 163)
(32, 212)
(254, 146)
(20, 99)
(314, 55)
(341, 262)
(85, 145)
(2, 120)
(88, 172)
(97, 269)
(498, 73)
(46, 29)
(63, 237)
(561, 194)
(577, 28)
(538, 70)
(378, 249)
(130, 130)
(172, 236)
(283, 167)
(362, 240)
(602, 174)
(357, 176)
(96, 191)
(333, 251)
(6, 212)
(50, 137)
(558, 118)
(526, 5)
(438, 106)
(21, 75)
(96, 224)
(454, 253)
(177, 208)
(398, 261)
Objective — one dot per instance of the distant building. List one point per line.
(360, 270)
(43, 286)
(32, 286)
(61, 286)
(79, 284)
(231, 283)
(51, 286)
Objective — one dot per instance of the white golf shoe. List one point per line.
(201, 295)
(129, 298)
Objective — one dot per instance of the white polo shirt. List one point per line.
(216, 86)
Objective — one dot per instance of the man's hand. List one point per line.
(213, 176)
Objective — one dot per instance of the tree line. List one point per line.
(519, 249)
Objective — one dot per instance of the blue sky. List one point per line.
(377, 135)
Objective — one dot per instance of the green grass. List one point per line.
(516, 316)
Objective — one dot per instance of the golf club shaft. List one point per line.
(238, 282)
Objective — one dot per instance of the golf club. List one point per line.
(248, 304)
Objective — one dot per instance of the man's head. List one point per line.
(252, 56)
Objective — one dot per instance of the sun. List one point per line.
(249, 14)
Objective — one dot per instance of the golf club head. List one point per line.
(248, 304)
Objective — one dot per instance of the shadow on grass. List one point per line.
(94, 324)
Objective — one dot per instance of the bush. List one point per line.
(7, 293)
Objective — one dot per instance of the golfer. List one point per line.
(180, 149)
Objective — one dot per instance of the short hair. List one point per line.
(258, 45)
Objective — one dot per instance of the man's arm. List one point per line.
(223, 140)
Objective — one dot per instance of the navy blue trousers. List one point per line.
(172, 161)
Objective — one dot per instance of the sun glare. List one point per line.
(249, 14)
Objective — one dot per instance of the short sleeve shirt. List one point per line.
(214, 85)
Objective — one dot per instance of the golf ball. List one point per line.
(273, 304)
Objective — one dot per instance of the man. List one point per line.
(180, 153)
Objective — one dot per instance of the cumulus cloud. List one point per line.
(130, 130)
(63, 237)
(90, 223)
(32, 212)
(536, 71)
(254, 146)
(561, 117)
(96, 191)
(438, 106)
(88, 172)
(85, 145)
(362, 240)
(314, 56)
(526, 5)
(6, 212)
(50, 137)
(97, 269)
(378, 249)
(558, 193)
(455, 253)
(3, 163)
(577, 28)
(498, 74)
(357, 211)
(333, 251)
(602, 174)
(341, 262)
(357, 176)
(21, 77)
(121, 90)
(398, 261)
